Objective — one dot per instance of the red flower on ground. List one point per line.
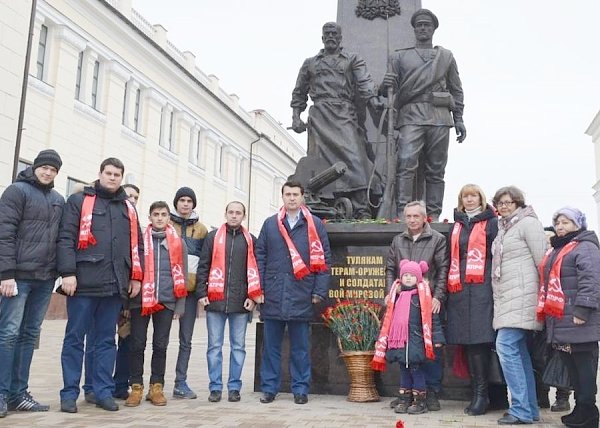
(400, 424)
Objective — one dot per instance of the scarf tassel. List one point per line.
(254, 294)
(214, 296)
(180, 292)
(378, 366)
(82, 245)
(454, 287)
(152, 309)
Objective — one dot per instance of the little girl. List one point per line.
(406, 335)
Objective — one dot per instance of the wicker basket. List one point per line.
(362, 381)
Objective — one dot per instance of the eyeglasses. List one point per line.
(504, 203)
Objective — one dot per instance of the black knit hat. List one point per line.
(47, 157)
(184, 191)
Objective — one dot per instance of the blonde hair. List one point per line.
(471, 189)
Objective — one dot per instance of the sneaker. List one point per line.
(234, 396)
(68, 406)
(90, 397)
(26, 403)
(215, 396)
(3, 406)
(181, 390)
(433, 404)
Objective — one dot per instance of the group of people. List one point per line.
(502, 282)
(117, 276)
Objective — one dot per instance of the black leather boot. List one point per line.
(469, 365)
(585, 417)
(562, 401)
(479, 373)
(419, 404)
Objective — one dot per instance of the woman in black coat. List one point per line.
(470, 305)
(569, 301)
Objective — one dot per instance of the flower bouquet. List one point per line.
(356, 325)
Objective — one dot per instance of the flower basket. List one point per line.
(356, 325)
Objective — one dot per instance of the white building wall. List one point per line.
(157, 159)
(14, 29)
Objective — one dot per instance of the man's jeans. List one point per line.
(186, 330)
(511, 345)
(215, 323)
(85, 314)
(20, 319)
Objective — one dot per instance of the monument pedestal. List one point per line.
(358, 252)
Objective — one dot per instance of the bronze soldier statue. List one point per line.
(428, 102)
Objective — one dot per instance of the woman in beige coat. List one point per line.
(517, 250)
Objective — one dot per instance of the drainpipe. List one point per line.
(260, 136)
(24, 90)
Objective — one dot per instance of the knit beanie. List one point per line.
(184, 191)
(47, 157)
(417, 269)
(573, 214)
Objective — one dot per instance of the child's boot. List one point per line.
(135, 396)
(419, 404)
(156, 395)
(404, 401)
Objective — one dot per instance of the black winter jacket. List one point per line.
(236, 283)
(430, 246)
(103, 269)
(471, 311)
(580, 282)
(30, 215)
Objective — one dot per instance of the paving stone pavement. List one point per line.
(321, 410)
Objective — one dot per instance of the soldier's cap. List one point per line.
(413, 19)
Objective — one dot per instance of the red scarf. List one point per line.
(149, 298)
(317, 255)
(476, 255)
(378, 362)
(216, 278)
(551, 301)
(86, 238)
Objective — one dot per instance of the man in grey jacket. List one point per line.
(31, 212)
(419, 242)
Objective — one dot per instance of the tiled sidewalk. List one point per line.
(321, 410)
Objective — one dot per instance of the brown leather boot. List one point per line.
(156, 395)
(135, 396)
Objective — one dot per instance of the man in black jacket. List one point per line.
(100, 250)
(232, 303)
(31, 212)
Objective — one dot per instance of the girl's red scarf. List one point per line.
(551, 300)
(476, 255)
(378, 362)
(149, 294)
(216, 278)
(317, 254)
(86, 238)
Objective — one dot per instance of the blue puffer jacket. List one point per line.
(287, 298)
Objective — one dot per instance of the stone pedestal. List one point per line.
(359, 252)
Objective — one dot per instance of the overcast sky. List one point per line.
(530, 72)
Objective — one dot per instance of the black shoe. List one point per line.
(267, 398)
(3, 406)
(234, 396)
(214, 397)
(107, 403)
(511, 420)
(300, 398)
(26, 403)
(90, 397)
(561, 405)
(121, 395)
(68, 406)
(433, 404)
(584, 416)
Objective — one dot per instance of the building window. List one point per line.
(219, 160)
(95, 84)
(124, 114)
(136, 112)
(74, 186)
(41, 59)
(22, 165)
(166, 139)
(239, 177)
(78, 79)
(196, 147)
(171, 130)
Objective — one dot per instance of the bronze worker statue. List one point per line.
(428, 102)
(334, 79)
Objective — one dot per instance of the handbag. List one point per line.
(495, 374)
(557, 372)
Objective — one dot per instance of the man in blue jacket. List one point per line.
(31, 211)
(293, 259)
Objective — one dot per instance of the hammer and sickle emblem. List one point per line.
(293, 253)
(475, 256)
(316, 246)
(454, 265)
(252, 274)
(177, 270)
(216, 274)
